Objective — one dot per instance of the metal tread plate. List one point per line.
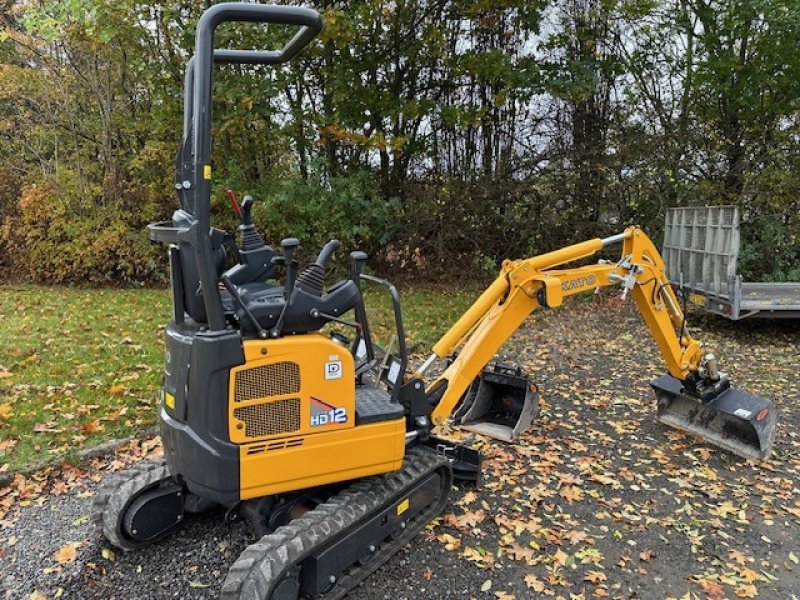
(374, 405)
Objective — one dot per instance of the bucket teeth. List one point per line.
(734, 420)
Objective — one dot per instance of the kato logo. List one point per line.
(323, 414)
(580, 282)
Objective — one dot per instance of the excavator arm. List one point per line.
(689, 391)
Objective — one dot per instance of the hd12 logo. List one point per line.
(323, 413)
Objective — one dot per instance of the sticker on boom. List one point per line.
(323, 414)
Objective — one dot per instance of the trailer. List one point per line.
(701, 249)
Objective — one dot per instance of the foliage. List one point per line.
(349, 208)
(771, 250)
(96, 244)
(436, 135)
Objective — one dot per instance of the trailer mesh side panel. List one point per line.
(701, 246)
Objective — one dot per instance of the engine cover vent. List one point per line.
(270, 418)
(277, 379)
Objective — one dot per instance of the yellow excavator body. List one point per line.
(292, 407)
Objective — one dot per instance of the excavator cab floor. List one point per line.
(734, 420)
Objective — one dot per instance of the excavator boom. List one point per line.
(694, 396)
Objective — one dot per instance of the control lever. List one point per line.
(236, 208)
(312, 279)
(357, 260)
(316, 314)
(262, 333)
(246, 208)
(289, 245)
(254, 256)
(325, 253)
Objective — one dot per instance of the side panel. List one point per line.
(302, 462)
(194, 429)
(293, 386)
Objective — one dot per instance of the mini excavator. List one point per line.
(322, 443)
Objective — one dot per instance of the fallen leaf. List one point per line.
(80, 520)
(450, 543)
(713, 590)
(66, 554)
(467, 498)
(534, 583)
(749, 575)
(646, 555)
(6, 411)
(198, 584)
(747, 591)
(571, 493)
(108, 554)
(595, 577)
(737, 556)
(487, 585)
(561, 557)
(427, 574)
(92, 427)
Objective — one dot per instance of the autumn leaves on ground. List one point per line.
(596, 501)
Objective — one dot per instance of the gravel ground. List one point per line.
(596, 501)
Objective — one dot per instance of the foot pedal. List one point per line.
(501, 403)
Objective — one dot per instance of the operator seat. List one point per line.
(190, 277)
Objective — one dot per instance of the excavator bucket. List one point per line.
(501, 403)
(734, 420)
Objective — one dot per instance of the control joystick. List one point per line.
(255, 257)
(245, 214)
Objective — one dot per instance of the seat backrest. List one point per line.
(190, 278)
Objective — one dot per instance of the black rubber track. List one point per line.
(264, 564)
(115, 494)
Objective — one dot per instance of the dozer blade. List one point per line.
(500, 404)
(734, 420)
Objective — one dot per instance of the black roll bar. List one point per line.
(197, 118)
(183, 160)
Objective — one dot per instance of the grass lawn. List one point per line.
(78, 366)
